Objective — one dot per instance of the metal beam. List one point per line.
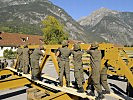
(13, 83)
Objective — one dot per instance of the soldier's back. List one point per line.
(25, 52)
(65, 53)
(36, 54)
(77, 56)
(95, 55)
(19, 51)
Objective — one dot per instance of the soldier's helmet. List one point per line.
(65, 43)
(94, 45)
(25, 45)
(76, 47)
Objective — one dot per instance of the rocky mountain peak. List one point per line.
(5, 3)
(25, 16)
(96, 16)
(113, 26)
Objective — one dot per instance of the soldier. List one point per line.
(78, 68)
(1, 67)
(59, 61)
(5, 63)
(25, 59)
(103, 79)
(19, 59)
(12, 63)
(95, 62)
(35, 56)
(64, 53)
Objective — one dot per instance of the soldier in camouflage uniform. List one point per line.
(64, 53)
(1, 67)
(129, 89)
(20, 59)
(35, 56)
(12, 63)
(5, 63)
(25, 59)
(78, 68)
(95, 61)
(59, 61)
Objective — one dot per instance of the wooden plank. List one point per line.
(115, 96)
(63, 89)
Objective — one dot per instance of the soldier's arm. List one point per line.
(41, 53)
(57, 52)
(88, 50)
(72, 52)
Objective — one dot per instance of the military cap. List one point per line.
(65, 43)
(94, 45)
(25, 45)
(76, 47)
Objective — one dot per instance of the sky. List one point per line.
(80, 8)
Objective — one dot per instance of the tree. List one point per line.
(53, 31)
(9, 54)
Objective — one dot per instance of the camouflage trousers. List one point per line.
(35, 69)
(64, 69)
(96, 79)
(78, 74)
(19, 64)
(103, 78)
(25, 66)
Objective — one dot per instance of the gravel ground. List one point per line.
(20, 93)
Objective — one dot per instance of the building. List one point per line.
(11, 40)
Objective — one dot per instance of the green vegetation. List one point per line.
(53, 31)
(16, 27)
(9, 54)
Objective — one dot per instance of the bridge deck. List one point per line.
(63, 89)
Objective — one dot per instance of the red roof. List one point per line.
(14, 39)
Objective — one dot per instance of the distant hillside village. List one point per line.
(12, 40)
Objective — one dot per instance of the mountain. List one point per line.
(25, 16)
(113, 26)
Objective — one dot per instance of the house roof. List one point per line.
(14, 39)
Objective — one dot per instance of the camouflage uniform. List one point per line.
(25, 60)
(64, 63)
(20, 59)
(129, 89)
(1, 67)
(12, 63)
(35, 56)
(103, 78)
(59, 62)
(78, 68)
(5, 63)
(95, 62)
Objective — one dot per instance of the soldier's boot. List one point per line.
(18, 70)
(34, 78)
(91, 93)
(106, 92)
(100, 96)
(75, 84)
(80, 90)
(57, 79)
(61, 84)
(67, 84)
